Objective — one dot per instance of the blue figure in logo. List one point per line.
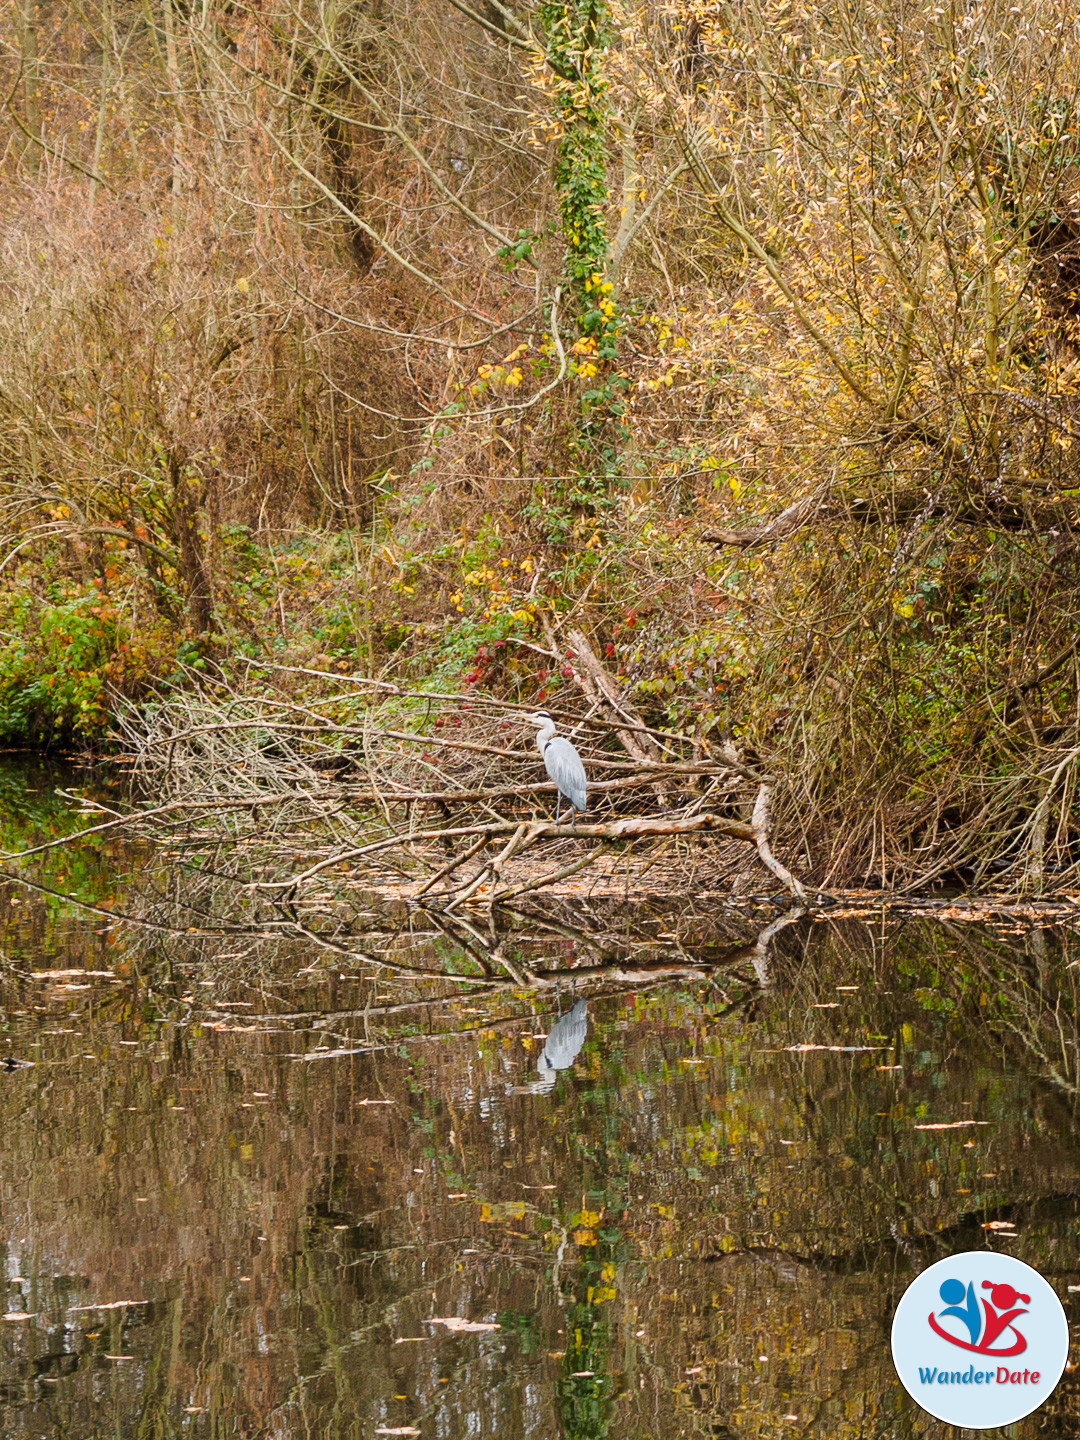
(953, 1293)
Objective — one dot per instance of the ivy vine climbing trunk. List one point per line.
(578, 37)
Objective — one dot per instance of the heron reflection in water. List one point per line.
(561, 1048)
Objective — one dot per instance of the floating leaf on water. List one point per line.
(454, 1322)
(951, 1124)
(109, 1305)
(839, 1049)
(502, 1210)
(67, 974)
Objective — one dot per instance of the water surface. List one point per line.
(244, 1185)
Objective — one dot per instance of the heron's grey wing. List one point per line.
(567, 1037)
(565, 768)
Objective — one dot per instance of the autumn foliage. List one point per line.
(399, 337)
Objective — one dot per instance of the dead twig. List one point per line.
(454, 864)
(542, 881)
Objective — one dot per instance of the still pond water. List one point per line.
(251, 1189)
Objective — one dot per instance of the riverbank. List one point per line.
(667, 363)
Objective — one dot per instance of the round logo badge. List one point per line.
(979, 1340)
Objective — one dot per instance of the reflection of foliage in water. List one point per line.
(718, 1192)
(39, 804)
(38, 799)
(583, 1393)
(35, 810)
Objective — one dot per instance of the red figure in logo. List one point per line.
(1003, 1298)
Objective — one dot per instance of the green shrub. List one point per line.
(51, 666)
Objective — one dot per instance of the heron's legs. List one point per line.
(558, 805)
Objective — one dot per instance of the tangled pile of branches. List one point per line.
(404, 791)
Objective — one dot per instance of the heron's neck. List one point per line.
(544, 734)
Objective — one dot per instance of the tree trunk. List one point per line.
(99, 134)
(172, 71)
(189, 544)
(26, 20)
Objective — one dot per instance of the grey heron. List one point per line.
(561, 1048)
(562, 763)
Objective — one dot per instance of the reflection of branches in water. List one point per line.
(632, 1120)
(419, 976)
(1011, 980)
(993, 979)
(1033, 997)
(1001, 984)
(610, 942)
(813, 1289)
(814, 1281)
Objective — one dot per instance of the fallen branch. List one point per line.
(600, 687)
(760, 824)
(493, 868)
(1011, 512)
(1025, 508)
(454, 864)
(778, 528)
(632, 828)
(542, 881)
(250, 782)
